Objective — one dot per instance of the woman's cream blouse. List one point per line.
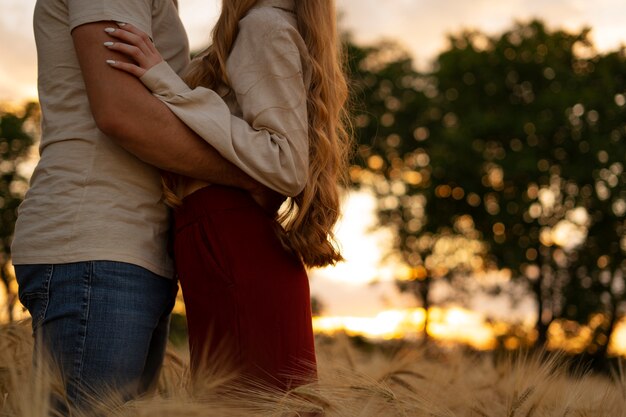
(260, 123)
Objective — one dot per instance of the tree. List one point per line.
(534, 119)
(385, 108)
(15, 145)
(512, 146)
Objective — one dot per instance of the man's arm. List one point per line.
(139, 122)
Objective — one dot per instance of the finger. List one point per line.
(136, 31)
(126, 67)
(129, 38)
(133, 29)
(128, 50)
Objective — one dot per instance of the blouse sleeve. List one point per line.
(270, 140)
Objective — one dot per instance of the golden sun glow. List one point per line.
(364, 247)
(457, 325)
(390, 324)
(461, 326)
(361, 245)
(617, 346)
(447, 325)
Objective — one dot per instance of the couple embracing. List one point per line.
(130, 127)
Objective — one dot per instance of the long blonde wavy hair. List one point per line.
(309, 218)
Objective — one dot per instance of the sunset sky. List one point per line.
(420, 26)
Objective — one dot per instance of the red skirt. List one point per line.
(247, 299)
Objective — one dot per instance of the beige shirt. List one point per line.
(90, 199)
(259, 124)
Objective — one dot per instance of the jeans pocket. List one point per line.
(34, 289)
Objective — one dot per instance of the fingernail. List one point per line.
(121, 24)
(109, 30)
(108, 44)
(111, 62)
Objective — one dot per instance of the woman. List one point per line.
(269, 95)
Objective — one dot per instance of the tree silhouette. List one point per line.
(509, 154)
(388, 109)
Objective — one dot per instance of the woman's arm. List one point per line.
(126, 111)
(270, 139)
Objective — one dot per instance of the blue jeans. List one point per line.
(104, 323)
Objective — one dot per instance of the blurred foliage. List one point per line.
(17, 136)
(508, 154)
(317, 307)
(178, 329)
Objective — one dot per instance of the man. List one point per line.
(90, 241)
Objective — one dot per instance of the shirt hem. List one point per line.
(116, 257)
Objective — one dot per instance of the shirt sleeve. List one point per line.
(136, 12)
(270, 140)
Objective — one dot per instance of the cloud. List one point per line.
(422, 26)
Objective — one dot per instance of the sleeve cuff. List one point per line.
(163, 80)
(108, 17)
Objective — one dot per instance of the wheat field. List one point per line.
(397, 381)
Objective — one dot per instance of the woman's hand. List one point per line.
(137, 45)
